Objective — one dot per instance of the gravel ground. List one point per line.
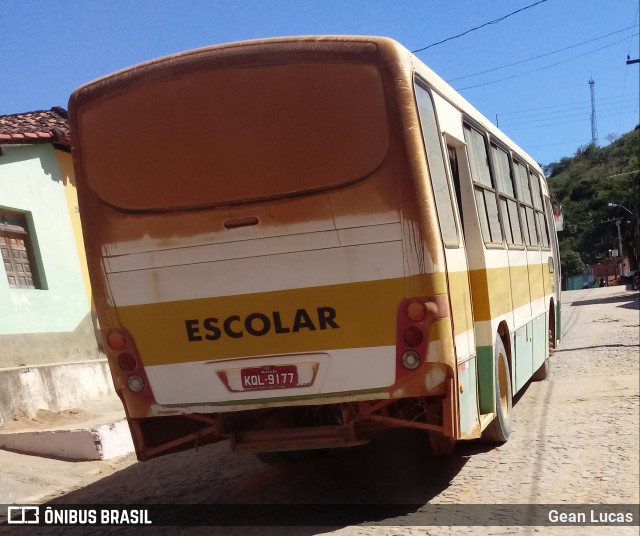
(575, 440)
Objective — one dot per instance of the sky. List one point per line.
(535, 64)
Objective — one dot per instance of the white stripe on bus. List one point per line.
(341, 370)
(157, 257)
(304, 269)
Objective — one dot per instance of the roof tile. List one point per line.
(42, 125)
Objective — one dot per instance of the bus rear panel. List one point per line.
(261, 268)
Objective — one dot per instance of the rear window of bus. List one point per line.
(230, 135)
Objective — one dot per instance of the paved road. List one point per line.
(575, 440)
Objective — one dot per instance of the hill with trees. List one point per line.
(595, 187)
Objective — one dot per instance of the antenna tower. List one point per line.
(594, 126)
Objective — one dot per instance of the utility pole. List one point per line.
(633, 251)
(594, 126)
(617, 222)
(619, 240)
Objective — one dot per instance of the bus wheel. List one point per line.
(500, 428)
(440, 444)
(543, 372)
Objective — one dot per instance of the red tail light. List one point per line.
(415, 317)
(116, 340)
(416, 311)
(122, 351)
(127, 362)
(413, 336)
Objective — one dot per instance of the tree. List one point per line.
(586, 185)
(611, 137)
(571, 263)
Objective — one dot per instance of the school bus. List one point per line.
(297, 243)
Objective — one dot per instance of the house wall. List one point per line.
(65, 162)
(578, 282)
(53, 324)
(607, 269)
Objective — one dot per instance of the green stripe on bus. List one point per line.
(485, 378)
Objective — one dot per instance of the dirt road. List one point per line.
(575, 440)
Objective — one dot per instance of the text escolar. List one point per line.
(259, 324)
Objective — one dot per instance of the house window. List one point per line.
(16, 247)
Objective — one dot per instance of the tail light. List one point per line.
(413, 336)
(410, 360)
(415, 317)
(127, 362)
(116, 340)
(135, 383)
(122, 350)
(416, 311)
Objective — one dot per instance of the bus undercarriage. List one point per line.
(289, 428)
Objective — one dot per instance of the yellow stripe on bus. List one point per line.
(510, 288)
(352, 315)
(460, 302)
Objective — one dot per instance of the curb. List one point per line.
(100, 442)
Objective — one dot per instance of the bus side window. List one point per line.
(455, 176)
(437, 170)
(538, 204)
(507, 196)
(526, 206)
(483, 185)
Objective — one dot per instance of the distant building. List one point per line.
(45, 297)
(611, 268)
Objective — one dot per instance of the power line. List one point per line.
(559, 143)
(584, 113)
(494, 21)
(540, 56)
(584, 120)
(541, 68)
(624, 84)
(575, 110)
(564, 105)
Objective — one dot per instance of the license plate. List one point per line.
(269, 377)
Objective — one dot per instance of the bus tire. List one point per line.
(543, 372)
(500, 428)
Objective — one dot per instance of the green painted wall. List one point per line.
(30, 180)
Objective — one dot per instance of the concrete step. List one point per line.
(98, 431)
